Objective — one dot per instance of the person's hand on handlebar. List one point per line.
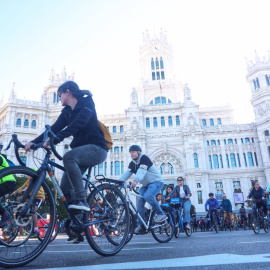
(46, 143)
(28, 146)
(133, 184)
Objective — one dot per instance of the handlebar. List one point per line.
(132, 189)
(47, 133)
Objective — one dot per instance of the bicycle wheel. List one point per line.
(163, 232)
(43, 227)
(188, 232)
(132, 224)
(176, 230)
(109, 234)
(266, 225)
(215, 223)
(255, 219)
(24, 249)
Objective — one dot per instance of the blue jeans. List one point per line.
(148, 194)
(187, 206)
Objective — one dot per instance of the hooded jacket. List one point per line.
(81, 123)
(226, 205)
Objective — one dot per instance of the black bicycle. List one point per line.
(214, 214)
(100, 230)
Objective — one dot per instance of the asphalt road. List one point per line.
(203, 250)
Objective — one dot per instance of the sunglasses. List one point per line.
(180, 179)
(60, 93)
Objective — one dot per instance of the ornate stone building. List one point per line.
(202, 144)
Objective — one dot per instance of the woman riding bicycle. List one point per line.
(77, 119)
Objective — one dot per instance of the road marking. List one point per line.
(217, 259)
(253, 242)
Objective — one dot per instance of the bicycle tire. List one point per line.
(215, 223)
(132, 223)
(110, 237)
(176, 231)
(163, 232)
(266, 225)
(256, 225)
(188, 232)
(12, 256)
(44, 227)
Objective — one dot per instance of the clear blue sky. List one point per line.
(99, 41)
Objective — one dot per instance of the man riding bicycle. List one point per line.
(226, 208)
(152, 182)
(213, 206)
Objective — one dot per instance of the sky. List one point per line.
(99, 41)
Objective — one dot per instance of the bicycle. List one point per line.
(107, 222)
(225, 223)
(179, 212)
(214, 218)
(257, 219)
(162, 232)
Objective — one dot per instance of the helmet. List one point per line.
(211, 194)
(135, 147)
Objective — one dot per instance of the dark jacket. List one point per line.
(226, 205)
(242, 212)
(213, 204)
(81, 123)
(257, 194)
(176, 191)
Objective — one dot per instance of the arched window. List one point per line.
(204, 122)
(114, 129)
(34, 124)
(160, 100)
(267, 79)
(238, 160)
(215, 161)
(254, 83)
(266, 133)
(218, 142)
(54, 97)
(246, 140)
(230, 141)
(111, 168)
(255, 157)
(155, 124)
(157, 100)
(26, 123)
(161, 63)
(210, 162)
(245, 159)
(147, 122)
(152, 64)
(162, 121)
(227, 159)
(100, 168)
(219, 121)
(162, 75)
(18, 122)
(195, 157)
(111, 149)
(211, 122)
(105, 168)
(169, 170)
(235, 141)
(213, 142)
(157, 63)
(117, 168)
(250, 159)
(153, 78)
(225, 142)
(257, 83)
(170, 121)
(122, 149)
(116, 149)
(121, 129)
(221, 162)
(177, 120)
(122, 166)
(233, 161)
(207, 143)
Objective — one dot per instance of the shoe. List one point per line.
(187, 227)
(75, 239)
(265, 217)
(160, 218)
(79, 205)
(4, 220)
(34, 234)
(138, 229)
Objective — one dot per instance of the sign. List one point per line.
(238, 197)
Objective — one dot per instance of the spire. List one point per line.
(12, 93)
(187, 93)
(133, 98)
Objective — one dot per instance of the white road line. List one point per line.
(217, 259)
(253, 242)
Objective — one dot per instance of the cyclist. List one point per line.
(40, 197)
(259, 195)
(227, 208)
(243, 214)
(152, 182)
(7, 185)
(77, 119)
(159, 198)
(183, 192)
(213, 205)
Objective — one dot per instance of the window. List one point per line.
(236, 184)
(266, 132)
(238, 160)
(155, 122)
(250, 159)
(18, 122)
(204, 122)
(153, 77)
(26, 123)
(269, 151)
(215, 161)
(117, 168)
(108, 128)
(157, 63)
(177, 120)
(200, 201)
(160, 100)
(225, 142)
(163, 100)
(167, 169)
(230, 141)
(111, 168)
(121, 129)
(95, 170)
(210, 162)
(246, 140)
(218, 142)
(152, 64)
(170, 121)
(162, 75)
(219, 121)
(221, 162)
(100, 168)
(257, 83)
(242, 140)
(213, 142)
(252, 140)
(195, 157)
(54, 98)
(34, 124)
(255, 157)
(227, 159)
(114, 129)
(122, 166)
(122, 149)
(158, 75)
(171, 170)
(162, 121)
(105, 168)
(207, 143)
(161, 63)
(218, 185)
(267, 80)
(198, 185)
(147, 122)
(233, 161)
(116, 149)
(245, 159)
(211, 122)
(235, 141)
(23, 159)
(111, 149)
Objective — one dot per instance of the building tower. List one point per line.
(258, 76)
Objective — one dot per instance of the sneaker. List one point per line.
(138, 229)
(79, 205)
(187, 227)
(75, 239)
(34, 234)
(4, 220)
(160, 218)
(265, 217)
